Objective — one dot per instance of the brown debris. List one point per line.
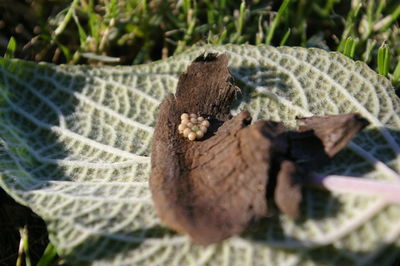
(214, 188)
(335, 131)
(287, 194)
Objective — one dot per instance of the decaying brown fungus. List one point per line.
(215, 187)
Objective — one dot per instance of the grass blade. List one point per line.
(391, 19)
(396, 73)
(285, 38)
(23, 247)
(276, 21)
(351, 20)
(66, 20)
(383, 60)
(11, 47)
(48, 256)
(349, 47)
(241, 18)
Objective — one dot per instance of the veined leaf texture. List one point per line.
(75, 148)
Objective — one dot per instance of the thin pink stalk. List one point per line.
(389, 191)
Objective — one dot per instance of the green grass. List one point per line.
(139, 31)
(49, 256)
(10, 51)
(23, 248)
(383, 60)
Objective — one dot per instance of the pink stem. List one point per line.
(389, 191)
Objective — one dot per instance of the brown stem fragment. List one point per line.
(214, 188)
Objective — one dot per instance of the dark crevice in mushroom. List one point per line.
(215, 187)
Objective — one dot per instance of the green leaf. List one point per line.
(75, 147)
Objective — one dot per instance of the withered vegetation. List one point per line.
(214, 188)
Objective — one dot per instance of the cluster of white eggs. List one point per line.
(193, 126)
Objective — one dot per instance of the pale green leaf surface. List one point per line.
(75, 147)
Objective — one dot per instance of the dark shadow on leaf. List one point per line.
(316, 205)
(124, 241)
(389, 255)
(37, 147)
(348, 162)
(330, 255)
(29, 149)
(42, 149)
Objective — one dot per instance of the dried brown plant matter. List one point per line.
(215, 187)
